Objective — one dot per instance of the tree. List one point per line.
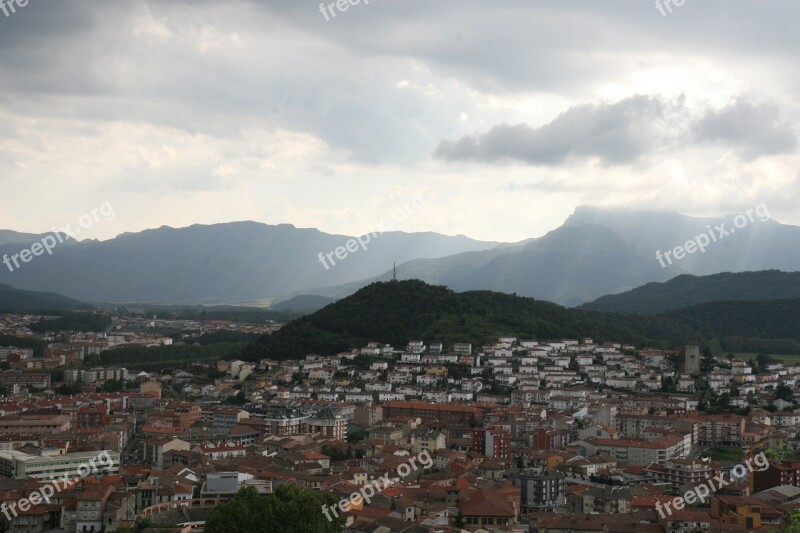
(237, 399)
(706, 361)
(763, 360)
(752, 399)
(288, 509)
(143, 524)
(779, 454)
(212, 373)
(112, 385)
(334, 453)
(246, 512)
(724, 401)
(794, 522)
(68, 390)
(784, 392)
(356, 436)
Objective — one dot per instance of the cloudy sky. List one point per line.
(502, 116)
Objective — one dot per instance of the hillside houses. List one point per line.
(519, 432)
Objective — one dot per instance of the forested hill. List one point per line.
(686, 290)
(396, 312)
(12, 299)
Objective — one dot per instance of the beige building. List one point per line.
(150, 388)
(368, 415)
(30, 423)
(154, 449)
(428, 440)
(19, 465)
(635, 452)
(387, 435)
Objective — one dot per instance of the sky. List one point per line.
(500, 117)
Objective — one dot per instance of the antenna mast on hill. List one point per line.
(394, 272)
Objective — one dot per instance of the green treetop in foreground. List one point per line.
(287, 510)
(793, 524)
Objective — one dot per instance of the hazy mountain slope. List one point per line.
(568, 266)
(305, 303)
(220, 263)
(20, 300)
(598, 252)
(16, 238)
(687, 290)
(758, 245)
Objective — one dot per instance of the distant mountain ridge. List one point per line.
(26, 239)
(568, 266)
(12, 299)
(599, 252)
(237, 262)
(596, 252)
(305, 303)
(687, 290)
(761, 244)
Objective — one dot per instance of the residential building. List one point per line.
(492, 442)
(542, 490)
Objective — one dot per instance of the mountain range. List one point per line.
(595, 253)
(232, 263)
(599, 252)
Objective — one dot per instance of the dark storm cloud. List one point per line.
(625, 131)
(615, 133)
(754, 130)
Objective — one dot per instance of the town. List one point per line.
(522, 434)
